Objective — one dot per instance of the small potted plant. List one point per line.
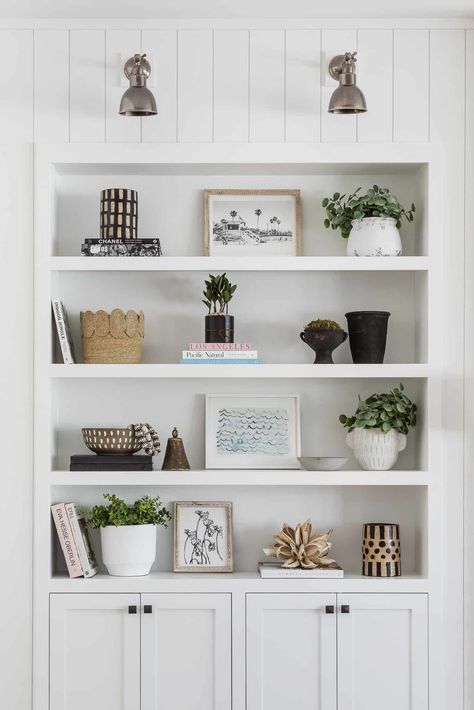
(370, 222)
(378, 429)
(219, 327)
(323, 336)
(128, 533)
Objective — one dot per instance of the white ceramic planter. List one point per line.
(128, 550)
(374, 450)
(374, 236)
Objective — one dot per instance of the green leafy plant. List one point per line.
(218, 293)
(392, 410)
(145, 511)
(341, 210)
(322, 323)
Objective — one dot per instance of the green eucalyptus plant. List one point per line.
(341, 210)
(218, 293)
(391, 410)
(322, 323)
(145, 511)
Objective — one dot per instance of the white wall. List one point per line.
(216, 82)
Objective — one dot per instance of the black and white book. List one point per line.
(64, 332)
(66, 539)
(275, 570)
(121, 247)
(81, 539)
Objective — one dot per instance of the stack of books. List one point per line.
(274, 570)
(72, 533)
(121, 247)
(109, 462)
(220, 354)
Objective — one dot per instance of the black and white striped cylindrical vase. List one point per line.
(381, 550)
(118, 213)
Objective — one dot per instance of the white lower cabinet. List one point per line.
(344, 651)
(95, 651)
(140, 652)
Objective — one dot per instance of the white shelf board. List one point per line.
(236, 581)
(213, 263)
(298, 371)
(240, 478)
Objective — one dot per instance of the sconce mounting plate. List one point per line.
(335, 66)
(130, 63)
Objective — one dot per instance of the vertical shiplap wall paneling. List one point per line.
(336, 128)
(51, 84)
(231, 86)
(375, 77)
(162, 46)
(16, 364)
(267, 86)
(195, 86)
(120, 45)
(469, 391)
(303, 86)
(411, 88)
(87, 86)
(447, 129)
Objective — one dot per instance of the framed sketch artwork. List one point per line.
(252, 222)
(203, 536)
(252, 431)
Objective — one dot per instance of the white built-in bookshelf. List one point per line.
(275, 298)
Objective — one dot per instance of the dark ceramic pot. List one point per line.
(219, 329)
(367, 335)
(323, 341)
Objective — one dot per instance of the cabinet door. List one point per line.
(186, 652)
(382, 651)
(291, 652)
(94, 652)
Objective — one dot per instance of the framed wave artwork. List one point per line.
(252, 431)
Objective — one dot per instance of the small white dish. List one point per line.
(322, 463)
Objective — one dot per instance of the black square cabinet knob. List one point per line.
(147, 609)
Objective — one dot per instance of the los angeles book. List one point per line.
(220, 346)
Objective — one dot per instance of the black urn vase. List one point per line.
(219, 329)
(323, 341)
(367, 335)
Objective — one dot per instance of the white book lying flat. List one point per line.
(274, 570)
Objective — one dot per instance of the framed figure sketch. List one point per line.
(252, 222)
(203, 536)
(252, 431)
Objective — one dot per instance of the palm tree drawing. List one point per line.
(258, 213)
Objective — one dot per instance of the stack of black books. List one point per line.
(104, 462)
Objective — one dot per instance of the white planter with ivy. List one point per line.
(378, 429)
(370, 222)
(128, 534)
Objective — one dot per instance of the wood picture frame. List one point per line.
(245, 233)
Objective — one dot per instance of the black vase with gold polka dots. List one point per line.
(381, 550)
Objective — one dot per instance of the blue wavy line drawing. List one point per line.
(253, 430)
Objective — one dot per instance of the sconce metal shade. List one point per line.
(138, 100)
(347, 98)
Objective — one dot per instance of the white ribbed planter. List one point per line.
(374, 236)
(374, 450)
(128, 550)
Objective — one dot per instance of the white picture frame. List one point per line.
(203, 536)
(252, 223)
(234, 420)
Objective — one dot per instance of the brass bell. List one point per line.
(175, 455)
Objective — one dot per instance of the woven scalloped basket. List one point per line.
(112, 338)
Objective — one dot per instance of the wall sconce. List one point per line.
(137, 100)
(347, 98)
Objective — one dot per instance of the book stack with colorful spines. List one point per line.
(220, 354)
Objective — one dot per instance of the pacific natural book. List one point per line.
(64, 333)
(66, 539)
